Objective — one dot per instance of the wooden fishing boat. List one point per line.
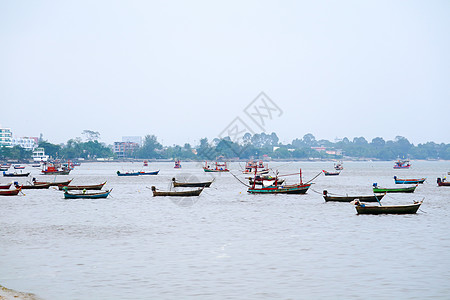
(369, 198)
(149, 173)
(402, 164)
(281, 189)
(361, 208)
(128, 173)
(177, 193)
(259, 179)
(81, 187)
(5, 186)
(19, 167)
(83, 195)
(409, 181)
(56, 183)
(409, 189)
(52, 170)
(32, 186)
(10, 192)
(250, 167)
(217, 167)
(177, 164)
(338, 166)
(16, 174)
(191, 184)
(330, 173)
(443, 182)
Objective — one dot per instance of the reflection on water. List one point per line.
(227, 244)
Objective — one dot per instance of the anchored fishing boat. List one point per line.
(409, 181)
(361, 208)
(217, 167)
(377, 189)
(85, 195)
(81, 187)
(275, 188)
(149, 173)
(369, 198)
(330, 173)
(191, 184)
(177, 164)
(16, 174)
(177, 193)
(339, 166)
(250, 167)
(443, 182)
(259, 179)
(32, 186)
(54, 169)
(55, 183)
(402, 164)
(5, 186)
(10, 192)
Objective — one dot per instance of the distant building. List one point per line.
(125, 149)
(319, 149)
(5, 137)
(27, 143)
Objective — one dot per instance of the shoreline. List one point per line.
(9, 294)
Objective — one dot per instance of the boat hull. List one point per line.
(296, 189)
(82, 187)
(392, 209)
(16, 174)
(394, 190)
(10, 192)
(409, 181)
(178, 194)
(5, 186)
(374, 198)
(192, 184)
(86, 196)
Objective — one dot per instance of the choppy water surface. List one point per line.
(227, 244)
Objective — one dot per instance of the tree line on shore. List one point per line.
(260, 145)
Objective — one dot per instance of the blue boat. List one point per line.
(128, 173)
(408, 181)
(85, 195)
(149, 173)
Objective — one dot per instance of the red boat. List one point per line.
(177, 164)
(218, 167)
(252, 165)
(10, 192)
(443, 182)
(52, 170)
(5, 186)
(402, 164)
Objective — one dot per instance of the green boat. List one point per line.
(377, 189)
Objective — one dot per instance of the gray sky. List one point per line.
(183, 70)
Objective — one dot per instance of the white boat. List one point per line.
(39, 155)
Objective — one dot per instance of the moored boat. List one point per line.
(339, 166)
(10, 192)
(191, 184)
(443, 182)
(82, 187)
(330, 173)
(149, 173)
(217, 167)
(16, 174)
(260, 179)
(361, 208)
(55, 183)
(252, 165)
(5, 186)
(128, 173)
(19, 167)
(409, 181)
(196, 192)
(368, 198)
(177, 164)
(377, 189)
(402, 164)
(54, 170)
(276, 188)
(84, 195)
(32, 186)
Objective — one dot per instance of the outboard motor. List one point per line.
(375, 184)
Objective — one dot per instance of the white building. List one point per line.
(5, 137)
(132, 139)
(27, 143)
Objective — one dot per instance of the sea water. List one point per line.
(227, 244)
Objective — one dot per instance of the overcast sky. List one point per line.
(184, 70)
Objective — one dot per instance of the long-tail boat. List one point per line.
(443, 182)
(32, 186)
(5, 186)
(177, 164)
(330, 173)
(16, 174)
(191, 184)
(218, 167)
(55, 183)
(409, 189)
(82, 187)
(84, 195)
(409, 181)
(369, 198)
(338, 166)
(275, 188)
(361, 208)
(196, 192)
(10, 192)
